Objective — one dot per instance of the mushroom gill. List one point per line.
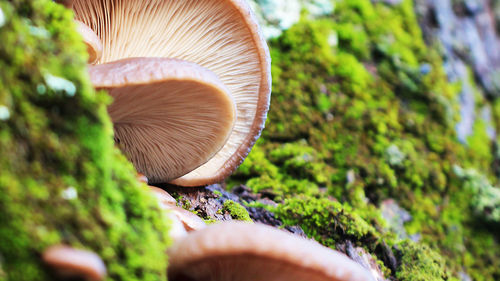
(170, 116)
(236, 251)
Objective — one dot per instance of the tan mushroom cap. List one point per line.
(220, 35)
(236, 251)
(164, 198)
(93, 43)
(170, 116)
(70, 262)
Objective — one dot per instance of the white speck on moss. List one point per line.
(69, 193)
(333, 39)
(39, 32)
(3, 20)
(60, 84)
(4, 113)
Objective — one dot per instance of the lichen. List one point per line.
(61, 179)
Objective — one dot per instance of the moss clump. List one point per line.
(329, 222)
(362, 112)
(236, 211)
(419, 263)
(61, 179)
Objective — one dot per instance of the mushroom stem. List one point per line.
(91, 40)
(67, 261)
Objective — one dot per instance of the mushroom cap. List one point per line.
(220, 35)
(236, 251)
(170, 116)
(164, 198)
(68, 261)
(93, 43)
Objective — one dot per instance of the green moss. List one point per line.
(61, 179)
(419, 263)
(236, 211)
(329, 222)
(362, 112)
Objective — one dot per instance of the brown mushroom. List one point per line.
(170, 116)
(236, 251)
(219, 35)
(67, 261)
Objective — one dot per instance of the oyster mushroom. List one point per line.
(93, 43)
(219, 35)
(170, 116)
(236, 251)
(69, 262)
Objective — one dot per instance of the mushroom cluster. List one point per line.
(240, 251)
(190, 82)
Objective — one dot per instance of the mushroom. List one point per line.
(164, 198)
(142, 178)
(170, 116)
(93, 43)
(219, 35)
(70, 262)
(237, 251)
(189, 220)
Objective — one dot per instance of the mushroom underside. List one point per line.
(219, 35)
(247, 267)
(169, 116)
(237, 251)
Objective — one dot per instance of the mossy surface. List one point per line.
(61, 179)
(236, 211)
(362, 111)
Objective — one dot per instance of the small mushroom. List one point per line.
(189, 220)
(170, 116)
(142, 178)
(219, 35)
(164, 198)
(68, 262)
(236, 251)
(93, 43)
(177, 230)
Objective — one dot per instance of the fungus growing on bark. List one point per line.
(170, 116)
(236, 251)
(69, 262)
(221, 36)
